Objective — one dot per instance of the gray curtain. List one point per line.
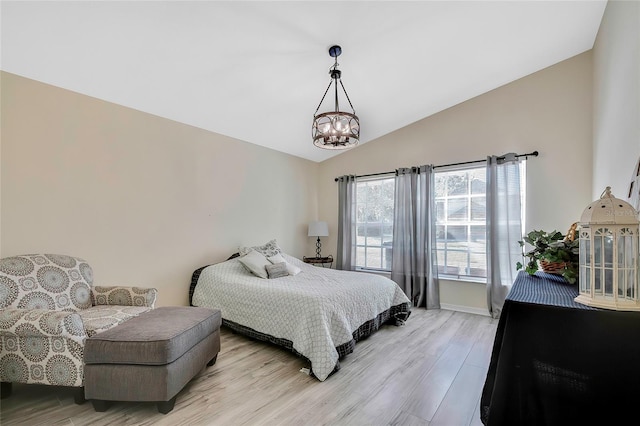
(504, 228)
(413, 266)
(346, 256)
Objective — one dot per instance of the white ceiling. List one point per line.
(257, 70)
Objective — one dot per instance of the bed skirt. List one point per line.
(396, 315)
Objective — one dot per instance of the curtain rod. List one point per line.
(531, 154)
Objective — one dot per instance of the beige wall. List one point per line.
(616, 113)
(86, 177)
(145, 200)
(549, 111)
(1, 75)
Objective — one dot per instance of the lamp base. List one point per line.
(318, 247)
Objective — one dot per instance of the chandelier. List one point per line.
(335, 129)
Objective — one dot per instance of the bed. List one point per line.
(319, 314)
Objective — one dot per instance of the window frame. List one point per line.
(382, 224)
(468, 222)
(523, 185)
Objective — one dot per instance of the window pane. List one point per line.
(360, 257)
(374, 257)
(477, 264)
(440, 182)
(388, 192)
(457, 209)
(372, 230)
(478, 181)
(457, 183)
(478, 234)
(440, 210)
(387, 234)
(387, 254)
(457, 260)
(373, 241)
(478, 208)
(457, 234)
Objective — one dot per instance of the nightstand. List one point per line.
(319, 261)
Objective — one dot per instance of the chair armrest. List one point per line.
(124, 296)
(41, 323)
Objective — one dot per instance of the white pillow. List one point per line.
(278, 258)
(256, 263)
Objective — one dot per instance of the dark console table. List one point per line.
(557, 362)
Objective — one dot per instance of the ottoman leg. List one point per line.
(213, 361)
(5, 389)
(78, 396)
(100, 405)
(165, 406)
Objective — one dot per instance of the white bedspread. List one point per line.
(317, 309)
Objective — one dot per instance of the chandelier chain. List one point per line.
(323, 96)
(333, 68)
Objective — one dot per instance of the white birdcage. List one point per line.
(609, 248)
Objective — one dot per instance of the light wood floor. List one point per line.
(427, 372)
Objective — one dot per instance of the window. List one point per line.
(374, 223)
(460, 201)
(461, 222)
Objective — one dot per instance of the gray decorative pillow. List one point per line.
(292, 269)
(269, 249)
(277, 270)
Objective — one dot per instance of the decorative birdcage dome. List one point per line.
(609, 248)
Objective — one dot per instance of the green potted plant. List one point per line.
(552, 252)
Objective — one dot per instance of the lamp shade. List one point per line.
(318, 229)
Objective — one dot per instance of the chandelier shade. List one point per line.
(335, 129)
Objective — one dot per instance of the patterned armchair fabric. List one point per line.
(48, 307)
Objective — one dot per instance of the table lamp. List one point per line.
(318, 229)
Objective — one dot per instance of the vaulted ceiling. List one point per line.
(256, 71)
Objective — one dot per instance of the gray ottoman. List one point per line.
(150, 357)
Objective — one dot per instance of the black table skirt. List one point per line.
(557, 362)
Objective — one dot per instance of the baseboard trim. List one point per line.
(466, 309)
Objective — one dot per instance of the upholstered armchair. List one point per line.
(48, 307)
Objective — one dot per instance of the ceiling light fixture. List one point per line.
(335, 129)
